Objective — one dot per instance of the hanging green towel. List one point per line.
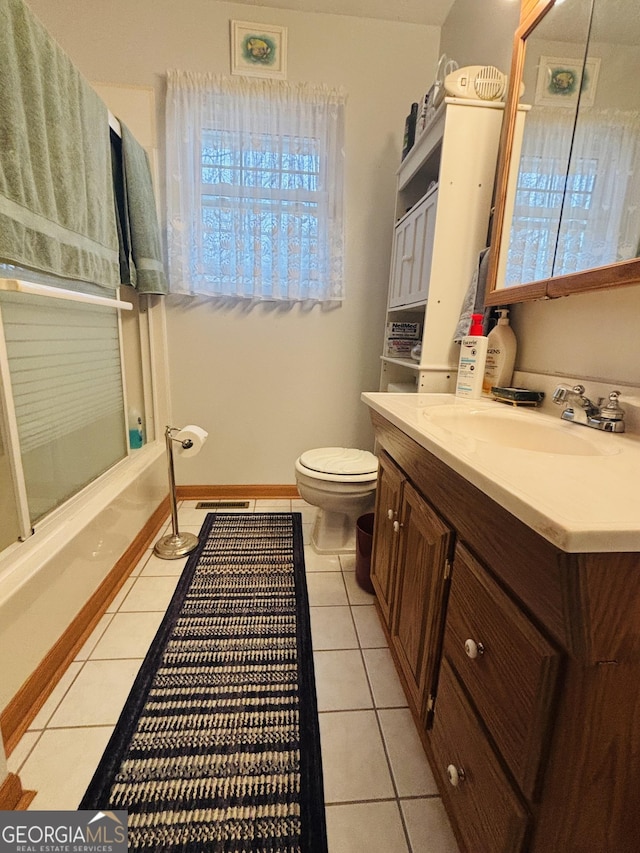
(56, 191)
(148, 274)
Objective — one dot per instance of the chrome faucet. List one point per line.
(580, 410)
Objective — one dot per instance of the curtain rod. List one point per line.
(14, 285)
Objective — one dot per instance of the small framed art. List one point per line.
(258, 50)
(560, 80)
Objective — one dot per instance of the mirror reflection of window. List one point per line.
(607, 134)
(577, 203)
(546, 148)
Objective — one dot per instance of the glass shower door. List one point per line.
(10, 529)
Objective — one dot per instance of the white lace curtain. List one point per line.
(588, 218)
(254, 188)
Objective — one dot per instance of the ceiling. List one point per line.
(430, 12)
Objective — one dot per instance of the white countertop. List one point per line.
(582, 500)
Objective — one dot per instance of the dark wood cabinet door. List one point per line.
(418, 616)
(387, 526)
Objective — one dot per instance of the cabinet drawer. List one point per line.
(508, 668)
(487, 811)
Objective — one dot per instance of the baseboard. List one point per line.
(13, 797)
(203, 493)
(16, 718)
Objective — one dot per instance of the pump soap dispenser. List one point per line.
(501, 354)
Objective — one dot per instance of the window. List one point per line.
(254, 186)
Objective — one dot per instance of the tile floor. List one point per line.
(379, 792)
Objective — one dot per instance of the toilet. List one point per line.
(341, 482)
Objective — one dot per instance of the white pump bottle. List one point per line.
(501, 354)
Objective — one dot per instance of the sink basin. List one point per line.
(520, 430)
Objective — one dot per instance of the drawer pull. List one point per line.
(396, 527)
(455, 774)
(473, 649)
(390, 514)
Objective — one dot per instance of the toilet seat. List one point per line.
(340, 462)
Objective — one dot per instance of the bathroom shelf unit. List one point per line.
(443, 201)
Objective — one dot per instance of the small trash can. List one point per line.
(364, 543)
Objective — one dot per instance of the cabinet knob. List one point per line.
(473, 649)
(407, 258)
(390, 514)
(396, 526)
(455, 774)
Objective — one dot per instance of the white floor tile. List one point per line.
(149, 593)
(122, 594)
(157, 567)
(368, 626)
(191, 517)
(326, 589)
(274, 504)
(62, 764)
(56, 697)
(348, 562)
(97, 695)
(341, 681)
(308, 514)
(409, 765)
(94, 637)
(385, 683)
(332, 628)
(128, 636)
(428, 826)
(353, 758)
(314, 562)
(356, 594)
(365, 828)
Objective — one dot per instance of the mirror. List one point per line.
(567, 217)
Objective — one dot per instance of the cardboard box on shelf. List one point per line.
(403, 330)
(399, 347)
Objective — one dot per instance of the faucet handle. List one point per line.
(612, 411)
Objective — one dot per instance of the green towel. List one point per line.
(56, 190)
(144, 233)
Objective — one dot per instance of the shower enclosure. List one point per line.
(64, 398)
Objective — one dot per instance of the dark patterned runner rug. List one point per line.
(217, 748)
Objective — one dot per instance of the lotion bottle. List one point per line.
(501, 354)
(473, 353)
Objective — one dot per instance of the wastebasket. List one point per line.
(364, 543)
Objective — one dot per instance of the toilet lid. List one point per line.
(340, 460)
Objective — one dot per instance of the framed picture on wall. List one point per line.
(560, 80)
(258, 50)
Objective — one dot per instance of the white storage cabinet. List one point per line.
(443, 202)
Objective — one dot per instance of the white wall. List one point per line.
(269, 383)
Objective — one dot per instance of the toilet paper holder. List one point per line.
(177, 544)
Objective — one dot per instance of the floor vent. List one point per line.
(222, 505)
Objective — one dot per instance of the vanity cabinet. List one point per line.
(443, 200)
(527, 656)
